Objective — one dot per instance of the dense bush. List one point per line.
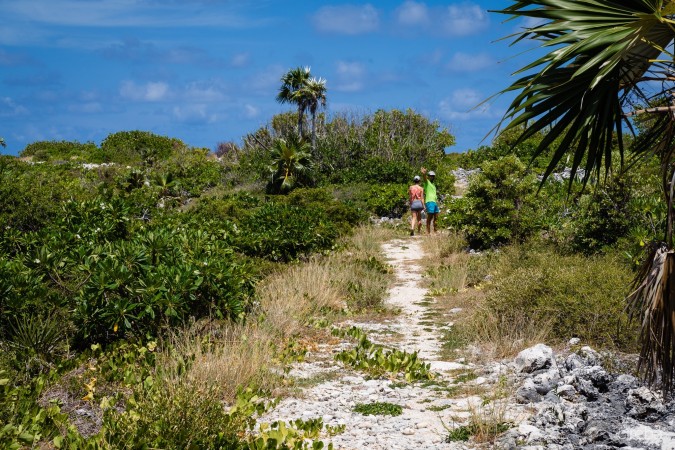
(387, 200)
(119, 275)
(497, 207)
(32, 194)
(63, 150)
(282, 232)
(600, 218)
(384, 147)
(127, 147)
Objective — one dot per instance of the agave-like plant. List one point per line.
(291, 160)
(603, 60)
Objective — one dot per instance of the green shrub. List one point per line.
(375, 169)
(579, 296)
(378, 409)
(344, 213)
(282, 232)
(126, 147)
(601, 218)
(387, 200)
(160, 278)
(32, 194)
(192, 171)
(234, 207)
(498, 206)
(63, 150)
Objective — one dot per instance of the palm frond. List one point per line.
(652, 302)
(576, 91)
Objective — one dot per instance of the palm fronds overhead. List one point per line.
(600, 52)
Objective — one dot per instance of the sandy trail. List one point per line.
(333, 390)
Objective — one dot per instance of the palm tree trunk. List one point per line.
(300, 117)
(314, 132)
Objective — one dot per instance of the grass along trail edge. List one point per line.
(428, 409)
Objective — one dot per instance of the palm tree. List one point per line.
(291, 162)
(313, 95)
(604, 58)
(291, 84)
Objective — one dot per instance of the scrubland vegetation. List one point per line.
(153, 294)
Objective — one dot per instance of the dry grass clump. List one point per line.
(446, 263)
(288, 298)
(220, 359)
(438, 248)
(366, 241)
(538, 295)
(502, 336)
(488, 418)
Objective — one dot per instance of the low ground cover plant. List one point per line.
(378, 409)
(377, 361)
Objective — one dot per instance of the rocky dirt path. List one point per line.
(331, 391)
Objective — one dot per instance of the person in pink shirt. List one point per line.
(416, 197)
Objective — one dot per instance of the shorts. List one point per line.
(417, 205)
(432, 208)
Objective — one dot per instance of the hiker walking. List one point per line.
(416, 197)
(430, 199)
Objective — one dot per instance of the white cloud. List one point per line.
(149, 92)
(266, 81)
(240, 60)
(463, 105)
(350, 76)
(9, 108)
(204, 91)
(347, 19)
(465, 62)
(196, 113)
(350, 69)
(251, 111)
(464, 19)
(431, 58)
(412, 13)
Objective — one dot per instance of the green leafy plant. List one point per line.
(377, 361)
(378, 409)
(291, 165)
(33, 336)
(498, 206)
(387, 200)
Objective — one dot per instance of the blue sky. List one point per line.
(207, 71)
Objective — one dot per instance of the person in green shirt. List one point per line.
(430, 198)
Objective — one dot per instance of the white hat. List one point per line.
(416, 178)
(432, 173)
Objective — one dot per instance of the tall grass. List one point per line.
(221, 358)
(540, 295)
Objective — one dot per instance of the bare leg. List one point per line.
(429, 217)
(416, 221)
